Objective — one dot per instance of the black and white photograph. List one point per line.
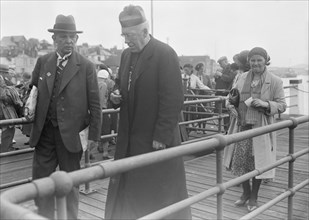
(154, 109)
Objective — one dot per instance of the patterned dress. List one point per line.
(243, 158)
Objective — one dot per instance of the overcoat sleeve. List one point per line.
(93, 103)
(278, 104)
(170, 97)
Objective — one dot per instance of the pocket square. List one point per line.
(41, 78)
(48, 74)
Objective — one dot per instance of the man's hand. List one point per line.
(28, 115)
(158, 145)
(91, 145)
(115, 97)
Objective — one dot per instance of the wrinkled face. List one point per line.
(257, 64)
(135, 39)
(65, 42)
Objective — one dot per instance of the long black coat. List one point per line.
(148, 112)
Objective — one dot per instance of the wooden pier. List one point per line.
(201, 175)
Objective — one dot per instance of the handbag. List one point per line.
(234, 97)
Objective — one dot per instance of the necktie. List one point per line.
(189, 82)
(60, 66)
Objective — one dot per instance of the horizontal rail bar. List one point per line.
(104, 170)
(274, 201)
(203, 119)
(15, 121)
(217, 189)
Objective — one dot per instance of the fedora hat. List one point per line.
(65, 24)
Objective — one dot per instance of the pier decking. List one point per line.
(201, 175)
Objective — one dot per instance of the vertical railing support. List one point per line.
(291, 167)
(61, 204)
(87, 190)
(219, 182)
(220, 116)
(219, 174)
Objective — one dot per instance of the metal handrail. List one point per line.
(61, 183)
(87, 189)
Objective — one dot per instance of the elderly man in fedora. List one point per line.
(68, 101)
(150, 97)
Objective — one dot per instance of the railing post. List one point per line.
(291, 167)
(219, 181)
(220, 116)
(61, 205)
(219, 174)
(63, 186)
(87, 190)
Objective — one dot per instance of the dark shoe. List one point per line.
(252, 205)
(242, 201)
(27, 143)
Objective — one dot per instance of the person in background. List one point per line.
(261, 97)
(242, 63)
(110, 81)
(149, 94)
(68, 102)
(24, 92)
(103, 77)
(193, 81)
(224, 81)
(203, 77)
(5, 73)
(225, 78)
(9, 101)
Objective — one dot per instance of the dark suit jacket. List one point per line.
(78, 104)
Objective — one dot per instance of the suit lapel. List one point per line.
(70, 70)
(125, 74)
(143, 60)
(50, 73)
(141, 66)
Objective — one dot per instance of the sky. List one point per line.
(214, 28)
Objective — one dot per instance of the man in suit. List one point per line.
(68, 101)
(150, 97)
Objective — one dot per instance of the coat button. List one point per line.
(62, 98)
(62, 109)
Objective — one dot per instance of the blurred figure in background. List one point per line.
(224, 81)
(200, 73)
(9, 101)
(103, 77)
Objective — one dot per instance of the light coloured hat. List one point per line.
(103, 74)
(131, 16)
